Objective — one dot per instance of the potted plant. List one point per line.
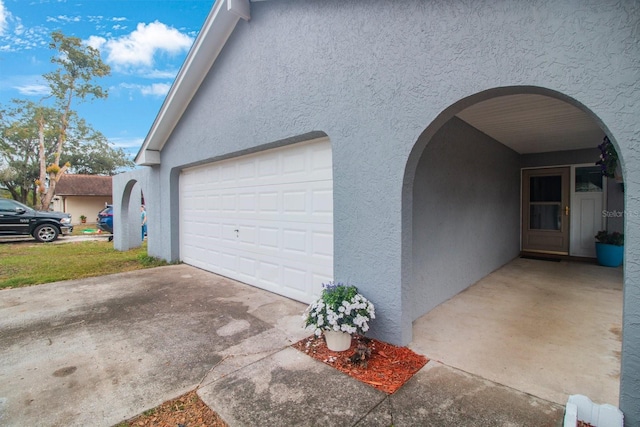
(608, 162)
(339, 312)
(609, 248)
(83, 219)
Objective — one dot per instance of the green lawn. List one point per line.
(78, 230)
(25, 264)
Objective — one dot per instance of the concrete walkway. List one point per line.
(550, 329)
(101, 350)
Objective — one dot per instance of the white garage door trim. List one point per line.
(265, 219)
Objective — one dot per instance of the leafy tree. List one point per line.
(87, 151)
(19, 142)
(78, 65)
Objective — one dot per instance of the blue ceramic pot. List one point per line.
(609, 255)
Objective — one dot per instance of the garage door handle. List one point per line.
(237, 232)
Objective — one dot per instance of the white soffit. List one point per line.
(219, 25)
(529, 123)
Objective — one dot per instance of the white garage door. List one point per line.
(265, 219)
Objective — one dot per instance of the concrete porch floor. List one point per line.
(549, 329)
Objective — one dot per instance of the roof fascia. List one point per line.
(215, 32)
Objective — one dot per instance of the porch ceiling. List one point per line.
(529, 123)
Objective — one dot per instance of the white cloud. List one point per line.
(156, 89)
(125, 143)
(96, 42)
(65, 18)
(139, 48)
(4, 14)
(16, 81)
(160, 74)
(15, 37)
(33, 89)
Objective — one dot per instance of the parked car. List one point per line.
(18, 219)
(105, 219)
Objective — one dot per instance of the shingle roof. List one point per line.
(84, 185)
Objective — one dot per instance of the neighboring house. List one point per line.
(387, 144)
(82, 195)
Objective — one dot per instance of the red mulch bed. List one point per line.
(387, 369)
(187, 410)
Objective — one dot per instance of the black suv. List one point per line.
(18, 219)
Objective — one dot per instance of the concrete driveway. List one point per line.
(97, 351)
(100, 350)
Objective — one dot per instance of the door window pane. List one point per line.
(544, 217)
(588, 179)
(545, 188)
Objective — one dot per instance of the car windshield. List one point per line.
(106, 211)
(15, 204)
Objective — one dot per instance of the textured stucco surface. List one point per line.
(134, 187)
(374, 76)
(466, 213)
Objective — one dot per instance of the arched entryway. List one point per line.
(128, 232)
(464, 184)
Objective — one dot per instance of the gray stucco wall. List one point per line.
(374, 75)
(466, 213)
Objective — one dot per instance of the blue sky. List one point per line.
(144, 42)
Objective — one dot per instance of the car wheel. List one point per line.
(45, 233)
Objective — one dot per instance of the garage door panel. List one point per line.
(294, 202)
(247, 266)
(295, 241)
(299, 163)
(265, 219)
(214, 203)
(268, 237)
(213, 230)
(322, 202)
(294, 162)
(267, 166)
(321, 160)
(247, 234)
(268, 202)
(322, 244)
(247, 202)
(269, 272)
(295, 279)
(246, 170)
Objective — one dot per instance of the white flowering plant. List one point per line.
(339, 308)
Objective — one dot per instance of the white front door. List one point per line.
(587, 201)
(265, 219)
